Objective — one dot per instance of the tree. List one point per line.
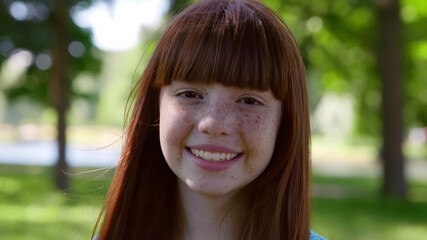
(59, 84)
(390, 55)
(45, 29)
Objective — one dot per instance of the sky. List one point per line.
(116, 25)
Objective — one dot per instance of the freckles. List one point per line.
(254, 152)
(188, 118)
(252, 123)
(251, 168)
(202, 182)
(226, 109)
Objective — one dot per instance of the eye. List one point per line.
(250, 101)
(190, 94)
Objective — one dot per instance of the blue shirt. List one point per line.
(315, 236)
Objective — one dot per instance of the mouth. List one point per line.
(213, 156)
(216, 159)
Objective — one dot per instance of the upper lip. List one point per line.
(213, 148)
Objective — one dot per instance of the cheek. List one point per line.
(175, 125)
(260, 133)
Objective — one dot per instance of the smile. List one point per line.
(213, 156)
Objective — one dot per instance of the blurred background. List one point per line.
(67, 68)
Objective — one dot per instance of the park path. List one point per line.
(44, 153)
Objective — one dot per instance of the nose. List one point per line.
(217, 120)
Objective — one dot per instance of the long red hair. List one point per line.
(236, 43)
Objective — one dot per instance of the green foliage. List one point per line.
(414, 17)
(178, 5)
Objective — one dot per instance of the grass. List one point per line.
(31, 207)
(369, 215)
(343, 208)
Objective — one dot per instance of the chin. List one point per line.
(213, 191)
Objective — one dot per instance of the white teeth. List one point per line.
(213, 156)
(207, 155)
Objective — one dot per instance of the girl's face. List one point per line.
(217, 139)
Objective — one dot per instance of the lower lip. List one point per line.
(213, 166)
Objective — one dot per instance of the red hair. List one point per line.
(235, 43)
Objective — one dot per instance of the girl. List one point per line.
(218, 142)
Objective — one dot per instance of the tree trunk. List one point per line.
(390, 70)
(59, 88)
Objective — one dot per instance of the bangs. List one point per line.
(234, 44)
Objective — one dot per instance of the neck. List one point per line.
(206, 217)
